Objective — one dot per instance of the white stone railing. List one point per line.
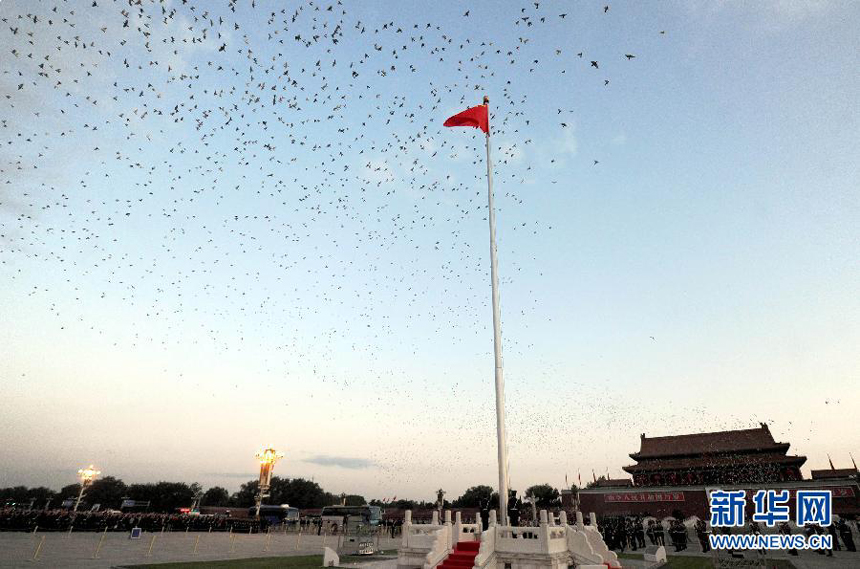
(465, 532)
(440, 548)
(420, 536)
(544, 539)
(586, 545)
(424, 545)
(555, 544)
(487, 553)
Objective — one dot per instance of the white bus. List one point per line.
(350, 518)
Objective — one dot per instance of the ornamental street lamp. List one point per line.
(267, 457)
(87, 475)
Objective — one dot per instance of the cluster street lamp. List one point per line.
(87, 475)
(267, 457)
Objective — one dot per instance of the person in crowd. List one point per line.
(845, 531)
(702, 534)
(810, 530)
(785, 529)
(659, 535)
(834, 534)
(640, 531)
(820, 531)
(678, 534)
(630, 533)
(756, 530)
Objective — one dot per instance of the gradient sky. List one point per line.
(703, 276)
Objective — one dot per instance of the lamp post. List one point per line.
(267, 457)
(87, 475)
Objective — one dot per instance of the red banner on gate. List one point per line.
(644, 497)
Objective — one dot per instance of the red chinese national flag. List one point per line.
(477, 117)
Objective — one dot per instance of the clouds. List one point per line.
(341, 462)
(238, 475)
(776, 13)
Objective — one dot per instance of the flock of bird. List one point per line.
(273, 178)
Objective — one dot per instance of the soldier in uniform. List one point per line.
(847, 538)
(640, 532)
(785, 529)
(702, 534)
(514, 509)
(630, 533)
(485, 514)
(659, 536)
(831, 529)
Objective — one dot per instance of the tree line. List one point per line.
(477, 496)
(167, 497)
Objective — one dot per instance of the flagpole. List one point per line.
(497, 344)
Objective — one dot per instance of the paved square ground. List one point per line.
(78, 550)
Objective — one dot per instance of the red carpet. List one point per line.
(463, 556)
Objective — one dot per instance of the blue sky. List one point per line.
(331, 296)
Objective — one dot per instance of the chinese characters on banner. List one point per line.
(644, 497)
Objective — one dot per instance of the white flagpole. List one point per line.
(497, 344)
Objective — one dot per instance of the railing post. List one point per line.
(435, 519)
(492, 517)
(562, 519)
(579, 522)
(543, 531)
(407, 521)
(593, 517)
(449, 537)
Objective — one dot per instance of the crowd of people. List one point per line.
(27, 520)
(16, 519)
(629, 532)
(623, 533)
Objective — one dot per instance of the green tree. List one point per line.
(476, 496)
(215, 496)
(42, 496)
(142, 493)
(15, 495)
(173, 495)
(164, 496)
(107, 491)
(355, 500)
(246, 496)
(69, 491)
(545, 495)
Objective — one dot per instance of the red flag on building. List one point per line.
(477, 117)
